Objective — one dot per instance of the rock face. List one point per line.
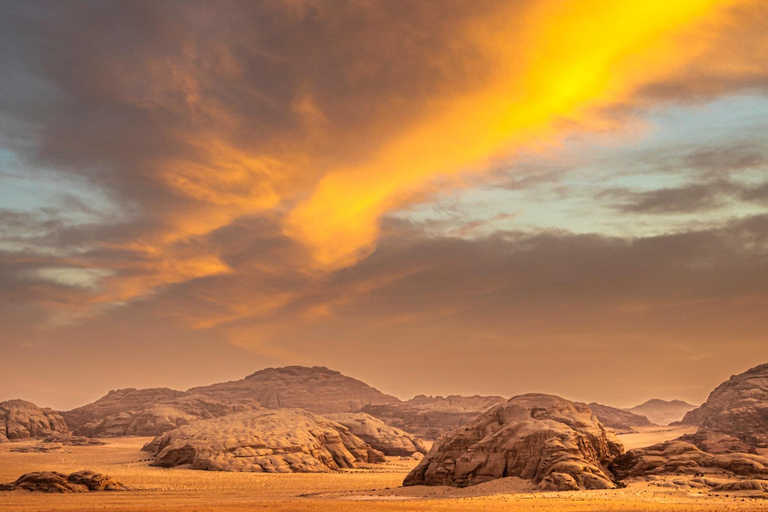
(382, 437)
(271, 441)
(692, 467)
(20, 419)
(51, 481)
(315, 389)
(429, 417)
(116, 402)
(663, 412)
(618, 419)
(558, 444)
(735, 416)
(163, 415)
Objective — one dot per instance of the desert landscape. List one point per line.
(383, 255)
(294, 438)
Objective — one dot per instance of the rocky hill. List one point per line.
(663, 412)
(556, 443)
(735, 416)
(315, 389)
(618, 419)
(387, 439)
(429, 417)
(116, 402)
(20, 419)
(270, 441)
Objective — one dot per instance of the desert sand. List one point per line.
(371, 488)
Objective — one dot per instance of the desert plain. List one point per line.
(373, 487)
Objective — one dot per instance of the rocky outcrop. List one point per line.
(271, 441)
(735, 416)
(689, 466)
(618, 419)
(315, 389)
(429, 417)
(117, 402)
(382, 437)
(20, 419)
(556, 443)
(51, 481)
(163, 415)
(663, 412)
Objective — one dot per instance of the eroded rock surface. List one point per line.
(51, 481)
(618, 419)
(272, 441)
(692, 467)
(556, 443)
(735, 416)
(163, 415)
(663, 412)
(20, 419)
(429, 417)
(315, 389)
(385, 438)
(117, 402)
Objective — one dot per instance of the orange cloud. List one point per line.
(571, 58)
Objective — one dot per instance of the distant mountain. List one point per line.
(429, 417)
(20, 419)
(618, 419)
(316, 389)
(663, 412)
(735, 416)
(153, 411)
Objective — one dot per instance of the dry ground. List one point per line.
(372, 489)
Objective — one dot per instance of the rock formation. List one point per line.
(558, 444)
(272, 441)
(387, 439)
(315, 389)
(618, 419)
(51, 481)
(116, 402)
(692, 467)
(735, 416)
(163, 415)
(20, 419)
(430, 417)
(663, 412)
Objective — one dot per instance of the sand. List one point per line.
(374, 488)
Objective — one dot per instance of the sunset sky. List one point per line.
(437, 196)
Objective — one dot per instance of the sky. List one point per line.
(436, 197)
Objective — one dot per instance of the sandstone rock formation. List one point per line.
(20, 419)
(315, 389)
(663, 412)
(618, 419)
(429, 417)
(271, 441)
(116, 402)
(693, 467)
(382, 437)
(163, 415)
(558, 444)
(735, 416)
(51, 481)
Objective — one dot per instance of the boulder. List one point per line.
(618, 419)
(315, 389)
(429, 417)
(735, 416)
(20, 419)
(271, 441)
(556, 443)
(51, 481)
(389, 440)
(663, 412)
